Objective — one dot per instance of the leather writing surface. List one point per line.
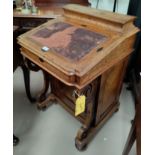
(68, 40)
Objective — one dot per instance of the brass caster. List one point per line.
(82, 133)
(41, 98)
(43, 108)
(81, 148)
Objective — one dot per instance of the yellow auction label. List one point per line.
(80, 105)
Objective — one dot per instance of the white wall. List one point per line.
(122, 6)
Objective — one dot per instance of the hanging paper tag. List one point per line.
(80, 105)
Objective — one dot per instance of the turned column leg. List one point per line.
(42, 95)
(26, 74)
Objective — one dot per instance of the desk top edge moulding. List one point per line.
(82, 53)
(110, 29)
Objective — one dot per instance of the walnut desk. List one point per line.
(29, 21)
(85, 52)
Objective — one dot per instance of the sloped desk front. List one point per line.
(85, 52)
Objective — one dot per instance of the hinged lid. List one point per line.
(67, 40)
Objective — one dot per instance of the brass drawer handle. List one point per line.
(83, 25)
(75, 94)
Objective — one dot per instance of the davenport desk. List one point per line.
(85, 53)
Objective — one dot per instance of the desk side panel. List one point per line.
(110, 88)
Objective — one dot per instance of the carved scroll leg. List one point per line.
(83, 139)
(26, 74)
(83, 132)
(44, 104)
(42, 95)
(43, 101)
